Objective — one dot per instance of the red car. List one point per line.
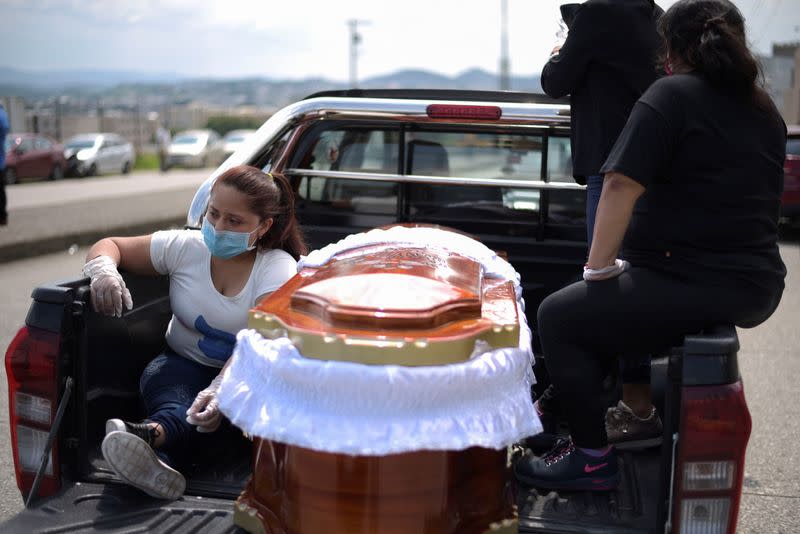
(33, 156)
(790, 201)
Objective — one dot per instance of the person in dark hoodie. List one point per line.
(606, 63)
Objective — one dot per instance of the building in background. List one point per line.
(62, 118)
(780, 72)
(791, 96)
(15, 109)
(133, 126)
(138, 128)
(189, 117)
(196, 115)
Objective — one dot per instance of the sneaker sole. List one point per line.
(137, 464)
(580, 484)
(637, 444)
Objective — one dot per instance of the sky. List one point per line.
(294, 39)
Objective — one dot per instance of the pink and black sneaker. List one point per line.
(566, 467)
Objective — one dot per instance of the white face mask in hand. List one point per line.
(109, 293)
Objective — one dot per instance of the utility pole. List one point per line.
(355, 40)
(505, 66)
(59, 133)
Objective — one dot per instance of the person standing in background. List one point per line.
(605, 64)
(163, 140)
(4, 127)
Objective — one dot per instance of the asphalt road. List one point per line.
(45, 217)
(35, 194)
(769, 361)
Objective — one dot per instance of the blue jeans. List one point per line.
(633, 370)
(168, 387)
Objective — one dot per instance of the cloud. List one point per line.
(282, 39)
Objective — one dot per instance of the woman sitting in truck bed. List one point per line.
(248, 247)
(693, 186)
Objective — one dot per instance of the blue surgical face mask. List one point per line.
(226, 244)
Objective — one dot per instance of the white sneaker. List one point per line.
(135, 462)
(115, 425)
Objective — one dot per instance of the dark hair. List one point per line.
(709, 37)
(270, 195)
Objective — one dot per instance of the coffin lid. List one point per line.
(392, 304)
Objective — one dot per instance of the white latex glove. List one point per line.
(204, 411)
(109, 293)
(612, 271)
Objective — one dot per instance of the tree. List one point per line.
(223, 124)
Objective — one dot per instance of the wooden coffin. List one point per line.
(379, 305)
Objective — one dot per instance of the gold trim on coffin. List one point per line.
(382, 350)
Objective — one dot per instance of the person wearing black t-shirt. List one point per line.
(606, 63)
(691, 199)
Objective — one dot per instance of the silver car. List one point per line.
(98, 153)
(232, 141)
(194, 148)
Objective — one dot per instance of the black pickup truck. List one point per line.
(494, 165)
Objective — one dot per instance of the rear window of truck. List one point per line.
(435, 153)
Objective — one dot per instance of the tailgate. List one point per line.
(108, 508)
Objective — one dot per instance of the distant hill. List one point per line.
(60, 79)
(156, 89)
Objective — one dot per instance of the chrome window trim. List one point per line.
(395, 109)
(449, 180)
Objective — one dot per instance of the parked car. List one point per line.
(194, 148)
(232, 141)
(33, 156)
(98, 153)
(492, 164)
(790, 201)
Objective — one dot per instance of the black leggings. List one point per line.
(584, 327)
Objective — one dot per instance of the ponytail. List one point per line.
(285, 233)
(709, 37)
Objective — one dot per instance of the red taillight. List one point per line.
(451, 111)
(31, 368)
(715, 428)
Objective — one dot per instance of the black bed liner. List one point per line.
(103, 504)
(628, 509)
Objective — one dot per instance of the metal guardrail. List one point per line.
(442, 180)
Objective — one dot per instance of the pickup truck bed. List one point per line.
(95, 501)
(101, 504)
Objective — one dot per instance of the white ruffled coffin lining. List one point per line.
(273, 392)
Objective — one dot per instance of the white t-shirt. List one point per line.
(205, 322)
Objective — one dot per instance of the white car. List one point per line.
(98, 153)
(232, 141)
(194, 148)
